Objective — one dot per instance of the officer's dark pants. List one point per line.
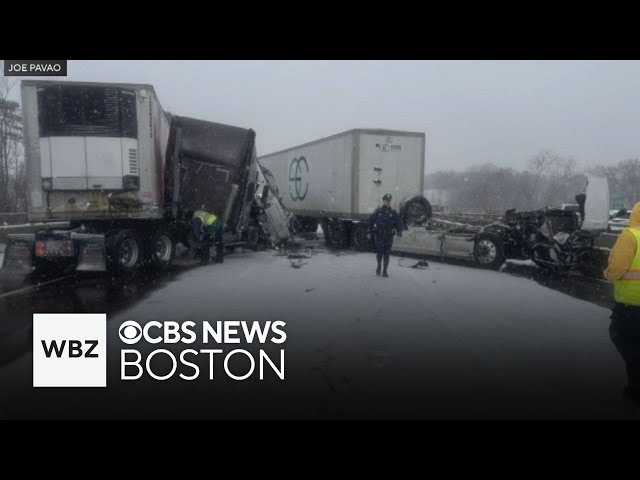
(625, 335)
(383, 248)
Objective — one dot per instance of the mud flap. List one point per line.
(18, 254)
(92, 254)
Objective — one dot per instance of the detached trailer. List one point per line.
(127, 176)
(339, 181)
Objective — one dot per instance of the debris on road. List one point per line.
(420, 264)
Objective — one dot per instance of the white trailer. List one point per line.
(89, 146)
(339, 180)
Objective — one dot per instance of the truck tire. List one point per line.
(359, 238)
(325, 232)
(161, 249)
(415, 210)
(308, 224)
(593, 264)
(338, 234)
(255, 238)
(489, 251)
(124, 251)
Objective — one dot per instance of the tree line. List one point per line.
(548, 180)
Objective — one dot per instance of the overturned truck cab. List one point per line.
(552, 238)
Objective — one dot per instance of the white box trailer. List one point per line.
(340, 180)
(93, 147)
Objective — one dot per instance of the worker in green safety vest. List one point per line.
(207, 230)
(624, 271)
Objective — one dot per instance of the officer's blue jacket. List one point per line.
(385, 221)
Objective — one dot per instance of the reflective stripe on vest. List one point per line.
(206, 218)
(627, 288)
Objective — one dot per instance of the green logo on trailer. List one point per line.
(298, 179)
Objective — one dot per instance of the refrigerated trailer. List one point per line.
(127, 176)
(339, 181)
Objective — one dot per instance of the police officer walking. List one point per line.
(383, 224)
(624, 271)
(207, 229)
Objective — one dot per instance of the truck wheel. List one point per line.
(488, 251)
(308, 224)
(254, 238)
(415, 210)
(161, 250)
(325, 232)
(359, 238)
(592, 264)
(124, 251)
(338, 234)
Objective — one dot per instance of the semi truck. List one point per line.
(556, 239)
(339, 181)
(127, 177)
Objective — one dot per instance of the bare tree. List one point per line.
(11, 149)
(550, 180)
(549, 172)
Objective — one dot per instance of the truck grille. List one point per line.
(133, 161)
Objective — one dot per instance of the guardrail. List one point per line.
(13, 218)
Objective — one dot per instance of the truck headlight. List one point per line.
(46, 184)
(130, 182)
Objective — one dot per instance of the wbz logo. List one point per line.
(69, 350)
(74, 350)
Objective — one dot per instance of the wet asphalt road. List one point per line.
(444, 341)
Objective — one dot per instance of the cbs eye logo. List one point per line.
(130, 332)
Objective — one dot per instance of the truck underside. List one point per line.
(552, 239)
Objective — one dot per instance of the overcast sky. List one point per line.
(472, 112)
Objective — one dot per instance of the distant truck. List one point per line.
(127, 176)
(338, 181)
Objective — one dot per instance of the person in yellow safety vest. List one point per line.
(207, 229)
(624, 271)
